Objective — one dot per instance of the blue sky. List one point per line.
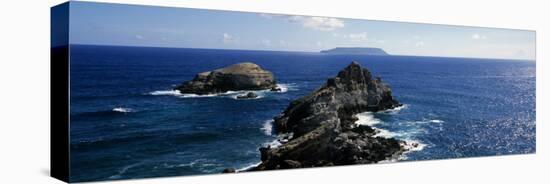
(115, 24)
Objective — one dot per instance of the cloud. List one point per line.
(139, 37)
(419, 44)
(477, 36)
(227, 38)
(381, 41)
(266, 42)
(319, 23)
(315, 23)
(354, 37)
(359, 37)
(319, 44)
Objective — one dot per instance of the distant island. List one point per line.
(356, 50)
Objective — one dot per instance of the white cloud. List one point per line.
(477, 36)
(319, 44)
(354, 37)
(317, 23)
(266, 42)
(139, 37)
(227, 38)
(419, 44)
(359, 37)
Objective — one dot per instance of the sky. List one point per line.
(130, 25)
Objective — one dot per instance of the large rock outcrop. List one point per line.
(324, 129)
(241, 76)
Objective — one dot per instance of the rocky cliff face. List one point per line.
(241, 76)
(323, 128)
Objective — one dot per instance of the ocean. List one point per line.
(127, 122)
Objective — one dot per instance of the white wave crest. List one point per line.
(122, 109)
(273, 144)
(166, 92)
(384, 133)
(281, 139)
(413, 145)
(408, 136)
(286, 87)
(267, 127)
(123, 170)
(426, 121)
(245, 168)
(231, 94)
(236, 95)
(190, 95)
(177, 93)
(396, 110)
(367, 118)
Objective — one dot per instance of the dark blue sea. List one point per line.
(126, 122)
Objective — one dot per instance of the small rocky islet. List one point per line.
(237, 77)
(319, 128)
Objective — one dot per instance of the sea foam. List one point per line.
(267, 127)
(245, 168)
(397, 109)
(122, 109)
(286, 87)
(231, 94)
(366, 118)
(436, 121)
(166, 92)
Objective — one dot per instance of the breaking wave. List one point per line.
(396, 110)
(367, 118)
(410, 144)
(267, 127)
(166, 92)
(231, 94)
(245, 168)
(123, 110)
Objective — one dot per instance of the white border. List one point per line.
(25, 95)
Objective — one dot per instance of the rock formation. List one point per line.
(249, 95)
(241, 76)
(323, 125)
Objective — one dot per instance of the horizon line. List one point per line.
(312, 52)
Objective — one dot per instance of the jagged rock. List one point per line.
(323, 128)
(229, 170)
(275, 88)
(248, 95)
(241, 76)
